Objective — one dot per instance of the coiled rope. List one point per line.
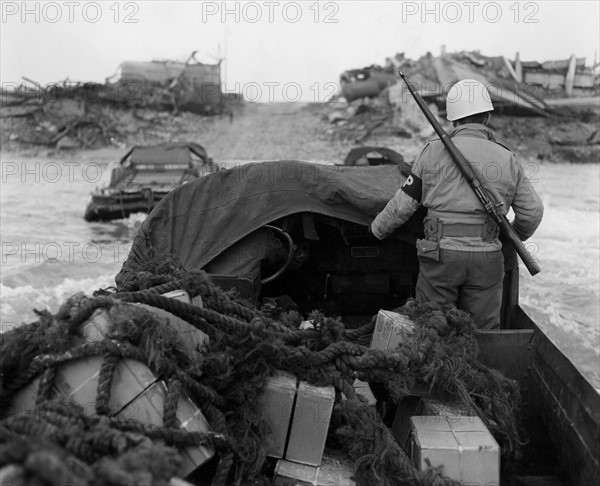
(225, 378)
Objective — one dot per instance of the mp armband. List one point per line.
(413, 187)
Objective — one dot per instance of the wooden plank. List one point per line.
(570, 77)
(547, 80)
(518, 68)
(510, 68)
(586, 80)
(564, 63)
(557, 81)
(591, 101)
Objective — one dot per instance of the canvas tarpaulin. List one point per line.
(199, 220)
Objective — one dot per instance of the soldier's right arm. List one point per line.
(527, 205)
(404, 203)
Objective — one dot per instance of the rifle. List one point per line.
(467, 171)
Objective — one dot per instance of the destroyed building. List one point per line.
(516, 87)
(194, 87)
(555, 104)
(141, 97)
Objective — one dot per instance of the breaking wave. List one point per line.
(18, 303)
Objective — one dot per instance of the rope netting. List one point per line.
(58, 442)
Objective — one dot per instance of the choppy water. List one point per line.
(564, 297)
(49, 252)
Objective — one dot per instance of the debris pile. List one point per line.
(374, 103)
(357, 120)
(189, 86)
(156, 98)
(91, 115)
(550, 140)
(570, 77)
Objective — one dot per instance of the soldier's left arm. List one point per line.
(527, 205)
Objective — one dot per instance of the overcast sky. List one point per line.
(269, 42)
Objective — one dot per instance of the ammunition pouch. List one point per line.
(431, 228)
(428, 249)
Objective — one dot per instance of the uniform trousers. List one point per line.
(471, 280)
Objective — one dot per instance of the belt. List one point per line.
(436, 229)
(460, 229)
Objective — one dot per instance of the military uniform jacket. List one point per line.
(437, 183)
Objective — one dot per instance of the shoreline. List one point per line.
(303, 131)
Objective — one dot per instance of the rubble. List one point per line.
(150, 97)
(527, 84)
(80, 123)
(557, 119)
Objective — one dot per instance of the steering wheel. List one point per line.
(288, 260)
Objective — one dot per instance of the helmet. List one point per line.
(466, 98)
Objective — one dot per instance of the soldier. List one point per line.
(461, 260)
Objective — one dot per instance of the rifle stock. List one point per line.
(467, 171)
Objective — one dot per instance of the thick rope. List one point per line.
(45, 386)
(225, 378)
(105, 378)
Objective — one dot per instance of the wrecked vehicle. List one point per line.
(144, 176)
